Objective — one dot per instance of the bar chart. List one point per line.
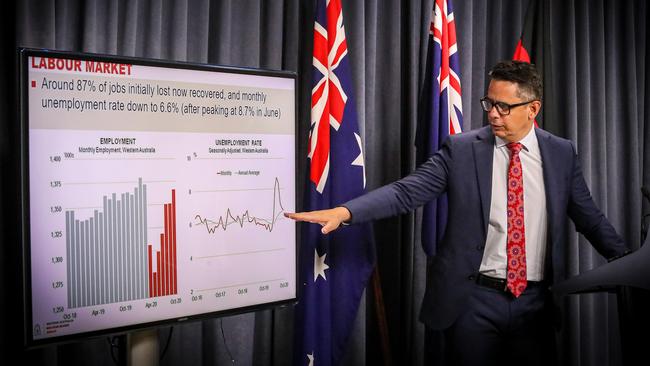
(110, 256)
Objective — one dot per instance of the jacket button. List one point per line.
(471, 277)
(480, 247)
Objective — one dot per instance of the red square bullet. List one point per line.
(33, 83)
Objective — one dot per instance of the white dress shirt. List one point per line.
(495, 256)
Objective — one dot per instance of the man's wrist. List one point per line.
(346, 216)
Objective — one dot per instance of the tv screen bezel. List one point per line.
(23, 57)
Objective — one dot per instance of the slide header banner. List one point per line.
(87, 92)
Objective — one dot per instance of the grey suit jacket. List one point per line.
(463, 169)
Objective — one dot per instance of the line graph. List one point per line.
(229, 218)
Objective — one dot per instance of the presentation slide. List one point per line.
(156, 192)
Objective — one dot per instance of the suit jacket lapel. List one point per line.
(550, 180)
(552, 190)
(483, 156)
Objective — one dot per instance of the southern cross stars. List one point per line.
(319, 265)
(359, 160)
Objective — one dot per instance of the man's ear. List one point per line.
(533, 109)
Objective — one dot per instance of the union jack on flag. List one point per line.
(441, 110)
(334, 268)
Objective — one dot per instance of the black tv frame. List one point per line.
(23, 58)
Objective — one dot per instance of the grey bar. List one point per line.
(109, 247)
(138, 242)
(118, 246)
(82, 269)
(129, 244)
(77, 263)
(87, 246)
(123, 272)
(91, 262)
(114, 250)
(107, 270)
(125, 256)
(132, 259)
(96, 261)
(93, 256)
(123, 251)
(68, 234)
(142, 249)
(102, 257)
(88, 260)
(132, 267)
(81, 243)
(145, 232)
(144, 275)
(111, 241)
(141, 243)
(95, 264)
(82, 263)
(122, 255)
(105, 252)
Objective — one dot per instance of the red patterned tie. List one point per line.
(516, 243)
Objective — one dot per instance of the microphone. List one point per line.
(646, 192)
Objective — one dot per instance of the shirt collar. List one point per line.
(529, 142)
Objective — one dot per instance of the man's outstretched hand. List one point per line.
(330, 219)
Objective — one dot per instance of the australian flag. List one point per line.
(441, 112)
(334, 268)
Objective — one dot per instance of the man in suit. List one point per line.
(510, 188)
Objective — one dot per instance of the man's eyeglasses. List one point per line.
(502, 108)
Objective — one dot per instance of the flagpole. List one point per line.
(381, 317)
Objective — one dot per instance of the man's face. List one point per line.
(514, 126)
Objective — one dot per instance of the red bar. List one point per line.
(168, 258)
(155, 280)
(158, 287)
(164, 253)
(174, 273)
(168, 220)
(150, 273)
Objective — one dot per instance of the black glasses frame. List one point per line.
(503, 108)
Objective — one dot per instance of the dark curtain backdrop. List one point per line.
(600, 51)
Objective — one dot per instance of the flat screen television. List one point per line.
(152, 192)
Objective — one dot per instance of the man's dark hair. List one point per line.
(524, 74)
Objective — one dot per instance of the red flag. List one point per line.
(534, 46)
